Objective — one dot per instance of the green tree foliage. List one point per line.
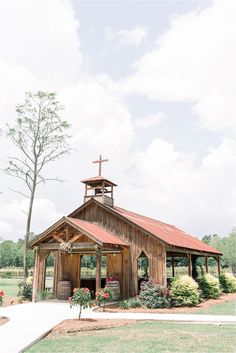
(11, 254)
(227, 245)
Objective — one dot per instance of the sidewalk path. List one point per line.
(29, 322)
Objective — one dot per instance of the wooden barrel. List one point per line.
(115, 286)
(63, 290)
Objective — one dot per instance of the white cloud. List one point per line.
(13, 217)
(46, 55)
(135, 36)
(194, 61)
(42, 38)
(150, 120)
(178, 188)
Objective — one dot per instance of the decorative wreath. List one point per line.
(67, 247)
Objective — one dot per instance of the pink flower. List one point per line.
(2, 294)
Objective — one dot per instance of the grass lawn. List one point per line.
(227, 308)
(142, 337)
(9, 286)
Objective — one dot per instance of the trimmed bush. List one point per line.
(209, 286)
(130, 303)
(227, 282)
(25, 290)
(184, 292)
(154, 296)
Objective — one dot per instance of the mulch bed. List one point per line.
(206, 304)
(73, 326)
(3, 320)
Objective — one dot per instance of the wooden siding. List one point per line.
(138, 241)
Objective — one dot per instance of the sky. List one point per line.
(150, 85)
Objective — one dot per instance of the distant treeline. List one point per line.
(11, 253)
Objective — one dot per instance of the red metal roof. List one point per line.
(97, 179)
(166, 232)
(97, 232)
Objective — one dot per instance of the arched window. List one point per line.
(143, 268)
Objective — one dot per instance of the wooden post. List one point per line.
(55, 275)
(218, 264)
(98, 269)
(190, 265)
(206, 263)
(35, 277)
(173, 266)
(79, 270)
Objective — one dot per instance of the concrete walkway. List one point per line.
(29, 322)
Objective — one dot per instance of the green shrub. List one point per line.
(210, 286)
(124, 304)
(130, 303)
(184, 292)
(134, 302)
(154, 295)
(44, 295)
(25, 290)
(227, 282)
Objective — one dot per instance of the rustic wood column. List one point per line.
(190, 265)
(55, 275)
(173, 266)
(218, 264)
(79, 270)
(98, 269)
(36, 276)
(206, 263)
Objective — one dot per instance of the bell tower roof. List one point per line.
(99, 187)
(97, 179)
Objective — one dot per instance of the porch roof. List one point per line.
(97, 232)
(93, 231)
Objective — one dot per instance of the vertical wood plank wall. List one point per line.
(138, 241)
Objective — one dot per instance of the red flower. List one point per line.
(86, 290)
(2, 294)
(106, 295)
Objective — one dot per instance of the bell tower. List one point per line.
(99, 187)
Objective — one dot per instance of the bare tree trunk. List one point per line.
(27, 234)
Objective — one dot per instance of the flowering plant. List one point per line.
(81, 297)
(67, 247)
(103, 296)
(1, 297)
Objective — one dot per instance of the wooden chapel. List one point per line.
(100, 228)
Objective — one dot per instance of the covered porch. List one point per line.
(68, 241)
(190, 259)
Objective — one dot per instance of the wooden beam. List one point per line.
(67, 233)
(173, 266)
(218, 264)
(58, 238)
(76, 237)
(91, 247)
(206, 263)
(173, 249)
(98, 269)
(190, 265)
